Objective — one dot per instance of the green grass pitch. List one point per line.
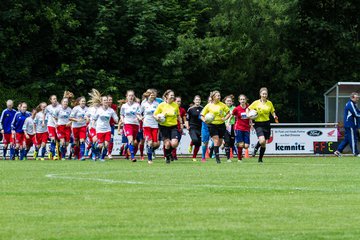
(284, 198)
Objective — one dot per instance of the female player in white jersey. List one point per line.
(150, 125)
(49, 113)
(94, 103)
(168, 115)
(63, 126)
(101, 121)
(77, 117)
(41, 130)
(30, 133)
(130, 115)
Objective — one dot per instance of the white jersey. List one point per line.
(39, 120)
(29, 126)
(50, 112)
(130, 112)
(102, 118)
(62, 115)
(147, 110)
(79, 113)
(90, 114)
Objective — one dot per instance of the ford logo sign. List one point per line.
(314, 133)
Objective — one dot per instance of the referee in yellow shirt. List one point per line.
(168, 128)
(264, 108)
(217, 127)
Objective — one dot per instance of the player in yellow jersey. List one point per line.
(264, 108)
(167, 114)
(217, 127)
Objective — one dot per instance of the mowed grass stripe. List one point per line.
(284, 198)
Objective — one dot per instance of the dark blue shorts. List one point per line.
(242, 136)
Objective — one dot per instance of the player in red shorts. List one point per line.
(63, 125)
(112, 124)
(6, 119)
(30, 134)
(41, 131)
(103, 129)
(150, 125)
(77, 117)
(130, 115)
(49, 118)
(17, 130)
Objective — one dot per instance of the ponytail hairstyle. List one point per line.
(38, 107)
(166, 93)
(243, 95)
(52, 97)
(95, 98)
(70, 96)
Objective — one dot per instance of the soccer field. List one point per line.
(284, 198)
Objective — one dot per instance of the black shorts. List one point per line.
(217, 130)
(263, 129)
(169, 132)
(229, 137)
(195, 135)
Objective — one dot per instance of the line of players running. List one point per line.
(139, 124)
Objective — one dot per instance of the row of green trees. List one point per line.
(297, 49)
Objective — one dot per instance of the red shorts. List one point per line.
(104, 137)
(151, 134)
(79, 133)
(64, 132)
(42, 137)
(92, 134)
(32, 140)
(52, 132)
(131, 130)
(20, 138)
(7, 139)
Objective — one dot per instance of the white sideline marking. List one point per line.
(111, 181)
(58, 176)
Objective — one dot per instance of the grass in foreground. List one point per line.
(284, 198)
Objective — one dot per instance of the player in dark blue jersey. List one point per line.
(6, 119)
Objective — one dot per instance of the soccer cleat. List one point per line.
(110, 156)
(203, 160)
(83, 159)
(337, 153)
(42, 159)
(254, 153)
(17, 158)
(260, 160)
(218, 161)
(240, 161)
(190, 148)
(35, 155)
(194, 159)
(50, 156)
(3, 158)
(229, 161)
(133, 160)
(142, 158)
(63, 159)
(102, 160)
(150, 162)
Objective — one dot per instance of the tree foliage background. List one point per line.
(298, 49)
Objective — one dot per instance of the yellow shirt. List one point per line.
(263, 110)
(218, 109)
(171, 112)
